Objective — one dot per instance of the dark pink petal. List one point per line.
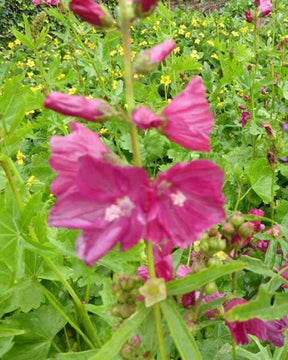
(143, 272)
(265, 7)
(256, 212)
(90, 11)
(249, 17)
(78, 106)
(183, 270)
(189, 118)
(145, 119)
(275, 331)
(186, 201)
(143, 8)
(161, 51)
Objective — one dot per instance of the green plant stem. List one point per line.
(80, 307)
(234, 354)
(272, 204)
(189, 255)
(68, 341)
(128, 78)
(198, 305)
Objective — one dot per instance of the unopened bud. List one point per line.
(246, 229)
(228, 229)
(237, 219)
(210, 288)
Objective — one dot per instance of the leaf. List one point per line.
(256, 266)
(260, 177)
(6, 344)
(7, 332)
(193, 282)
(261, 307)
(23, 38)
(31, 208)
(125, 331)
(82, 355)
(184, 341)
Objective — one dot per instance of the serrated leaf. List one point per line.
(256, 266)
(183, 339)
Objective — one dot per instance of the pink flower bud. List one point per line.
(36, 2)
(249, 17)
(144, 8)
(263, 90)
(78, 106)
(242, 107)
(265, 7)
(245, 116)
(148, 60)
(144, 118)
(93, 13)
(267, 126)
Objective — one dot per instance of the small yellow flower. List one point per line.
(11, 52)
(268, 32)
(72, 91)
(30, 181)
(142, 43)
(11, 45)
(210, 42)
(243, 30)
(235, 33)
(30, 63)
(215, 56)
(114, 84)
(78, 52)
(194, 22)
(224, 32)
(173, 23)
(91, 46)
(56, 42)
(103, 131)
(121, 50)
(30, 74)
(205, 24)
(221, 25)
(61, 76)
(201, 35)
(17, 42)
(165, 80)
(93, 30)
(195, 55)
(20, 63)
(197, 41)
(154, 291)
(187, 35)
(20, 157)
(177, 50)
(113, 52)
(37, 88)
(67, 57)
(143, 32)
(181, 31)
(30, 112)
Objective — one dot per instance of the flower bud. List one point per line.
(246, 229)
(249, 17)
(237, 219)
(93, 13)
(143, 8)
(228, 229)
(148, 60)
(210, 288)
(78, 106)
(213, 232)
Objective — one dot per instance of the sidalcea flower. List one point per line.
(265, 7)
(148, 60)
(185, 201)
(78, 106)
(249, 17)
(240, 329)
(186, 120)
(92, 12)
(163, 262)
(36, 2)
(144, 8)
(46, 2)
(245, 116)
(275, 331)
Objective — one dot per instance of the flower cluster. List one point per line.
(46, 2)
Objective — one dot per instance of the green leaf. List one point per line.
(256, 266)
(261, 307)
(82, 355)
(5, 331)
(31, 208)
(125, 331)
(184, 341)
(23, 38)
(6, 343)
(193, 282)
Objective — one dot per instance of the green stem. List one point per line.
(87, 294)
(234, 354)
(8, 174)
(189, 255)
(272, 204)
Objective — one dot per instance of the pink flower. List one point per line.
(256, 212)
(36, 2)
(207, 299)
(258, 227)
(267, 126)
(242, 107)
(183, 270)
(79, 106)
(163, 262)
(93, 13)
(240, 329)
(275, 329)
(51, 2)
(264, 90)
(186, 120)
(249, 17)
(148, 60)
(185, 201)
(245, 116)
(265, 7)
(144, 8)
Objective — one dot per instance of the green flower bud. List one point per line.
(237, 219)
(210, 288)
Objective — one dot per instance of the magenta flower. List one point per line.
(144, 8)
(148, 60)
(163, 263)
(264, 90)
(240, 329)
(92, 12)
(36, 2)
(108, 202)
(249, 17)
(245, 116)
(275, 330)
(258, 227)
(183, 270)
(51, 2)
(265, 7)
(186, 120)
(185, 201)
(78, 106)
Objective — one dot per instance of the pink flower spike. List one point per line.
(51, 2)
(265, 7)
(249, 17)
(78, 106)
(67, 150)
(186, 200)
(148, 60)
(92, 12)
(245, 116)
(144, 8)
(145, 119)
(108, 202)
(36, 2)
(189, 118)
(183, 270)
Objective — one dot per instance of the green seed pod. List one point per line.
(237, 219)
(210, 288)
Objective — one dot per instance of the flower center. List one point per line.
(124, 207)
(178, 198)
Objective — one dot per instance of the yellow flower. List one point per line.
(30, 74)
(11, 52)
(67, 57)
(30, 181)
(224, 32)
(20, 63)
(113, 52)
(187, 35)
(114, 84)
(165, 80)
(56, 42)
(210, 42)
(91, 46)
(94, 30)
(142, 43)
(61, 76)
(78, 52)
(205, 24)
(103, 131)
(194, 22)
(11, 45)
(17, 42)
(215, 56)
(20, 157)
(177, 50)
(173, 23)
(181, 31)
(221, 25)
(121, 50)
(30, 112)
(72, 91)
(143, 32)
(197, 41)
(137, 76)
(268, 32)
(244, 30)
(195, 55)
(235, 33)
(30, 63)
(37, 88)
(201, 35)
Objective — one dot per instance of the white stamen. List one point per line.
(124, 207)
(113, 212)
(178, 198)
